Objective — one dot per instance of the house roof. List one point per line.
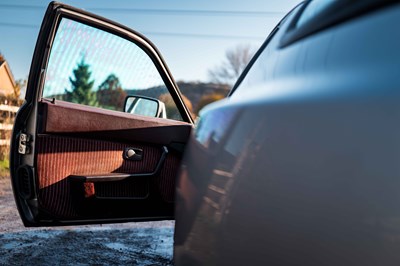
(4, 64)
(7, 82)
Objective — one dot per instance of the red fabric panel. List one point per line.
(166, 180)
(59, 156)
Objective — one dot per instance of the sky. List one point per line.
(192, 36)
(104, 53)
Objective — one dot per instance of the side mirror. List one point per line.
(141, 105)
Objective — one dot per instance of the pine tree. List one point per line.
(81, 86)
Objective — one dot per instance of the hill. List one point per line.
(194, 91)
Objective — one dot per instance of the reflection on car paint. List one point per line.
(210, 128)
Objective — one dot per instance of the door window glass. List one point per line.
(93, 67)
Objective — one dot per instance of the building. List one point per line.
(7, 82)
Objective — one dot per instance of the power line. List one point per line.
(186, 12)
(5, 24)
(207, 36)
(167, 34)
(189, 12)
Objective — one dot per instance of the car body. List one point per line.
(297, 166)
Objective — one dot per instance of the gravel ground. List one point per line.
(112, 244)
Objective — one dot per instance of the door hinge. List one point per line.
(23, 144)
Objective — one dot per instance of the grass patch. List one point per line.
(4, 168)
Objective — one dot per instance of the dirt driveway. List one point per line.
(116, 244)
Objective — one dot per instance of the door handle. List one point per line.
(132, 154)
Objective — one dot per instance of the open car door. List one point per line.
(77, 155)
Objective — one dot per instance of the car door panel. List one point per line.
(72, 163)
(61, 156)
(57, 161)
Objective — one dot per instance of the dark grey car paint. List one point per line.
(300, 166)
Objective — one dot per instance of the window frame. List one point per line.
(119, 30)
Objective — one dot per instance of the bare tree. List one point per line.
(233, 65)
